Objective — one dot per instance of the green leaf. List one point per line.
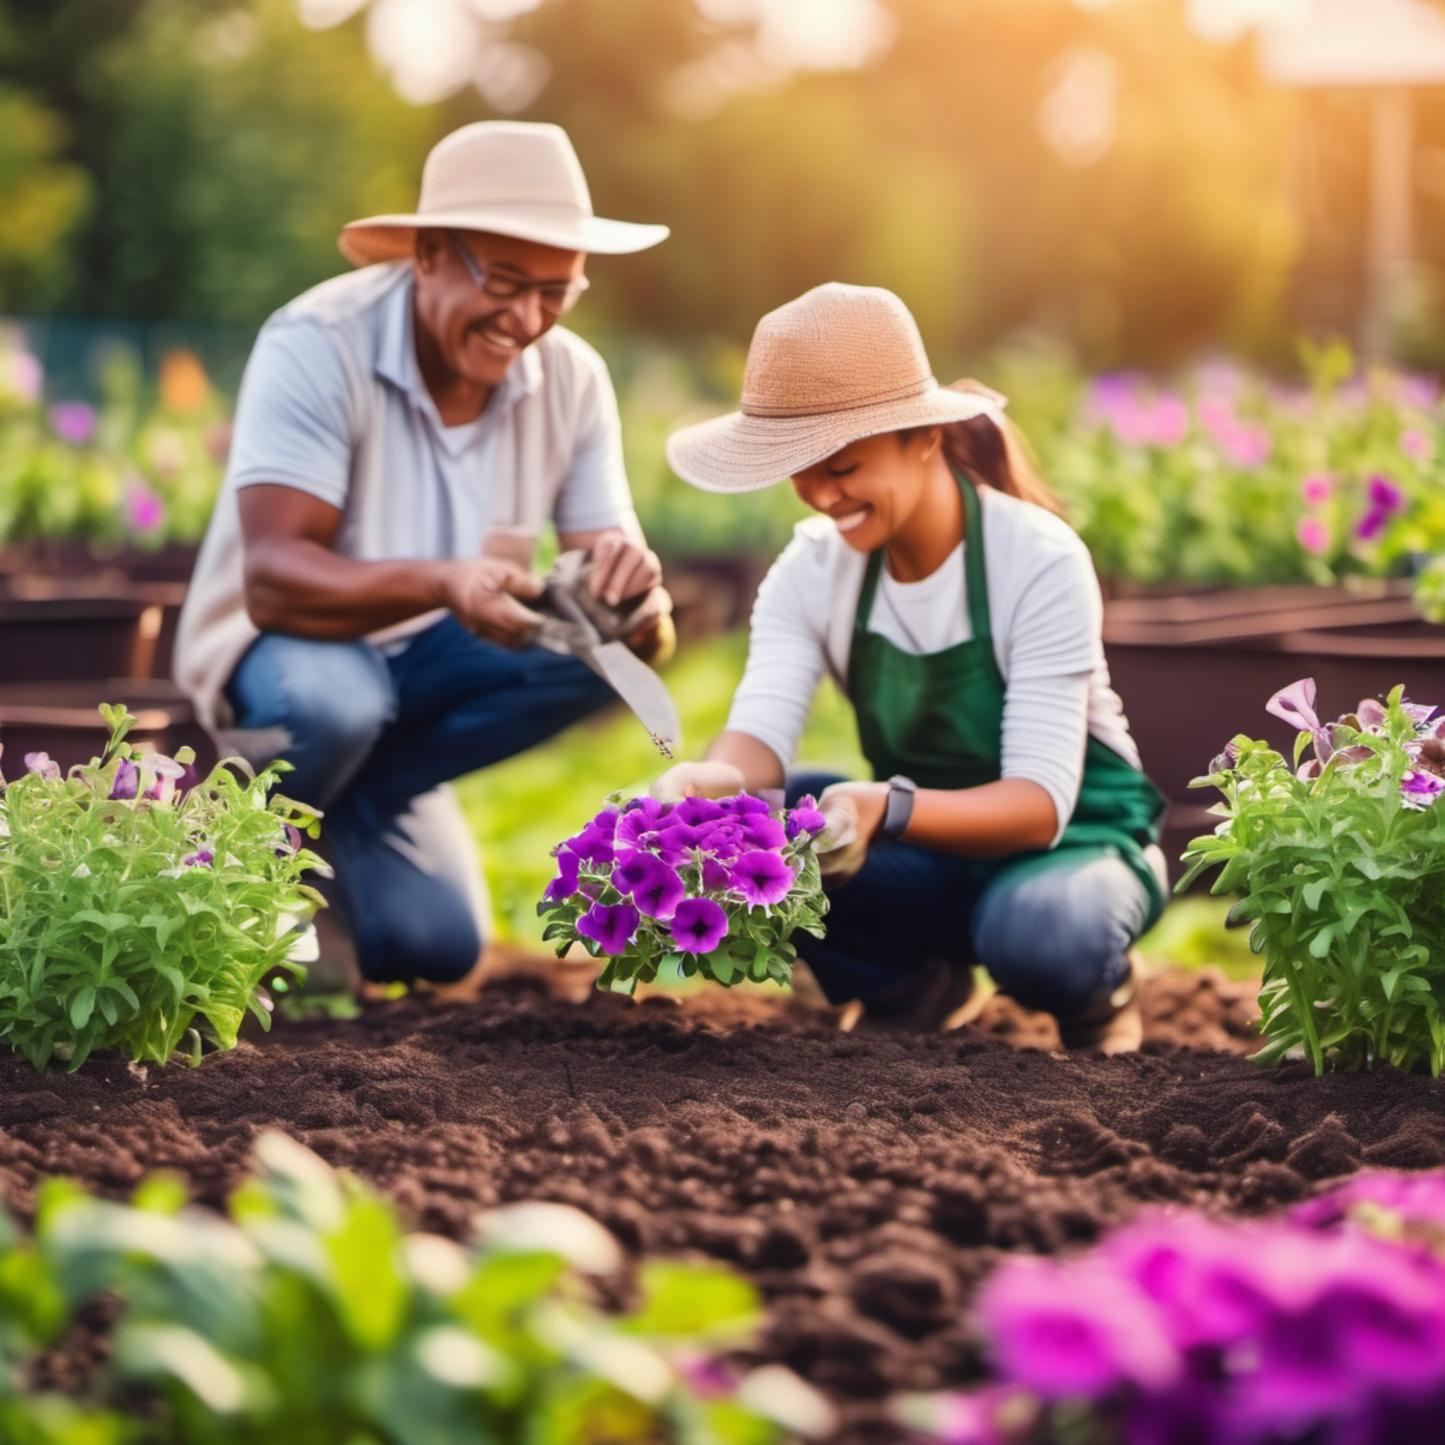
(81, 1007)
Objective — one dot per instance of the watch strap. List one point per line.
(898, 812)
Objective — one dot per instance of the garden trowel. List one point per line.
(577, 622)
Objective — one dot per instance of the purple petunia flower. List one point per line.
(762, 878)
(1296, 705)
(695, 810)
(43, 765)
(127, 780)
(744, 805)
(716, 875)
(73, 422)
(1386, 499)
(659, 890)
(765, 832)
(201, 858)
(564, 885)
(594, 843)
(806, 818)
(698, 925)
(610, 924)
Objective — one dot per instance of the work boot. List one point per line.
(938, 996)
(1110, 1021)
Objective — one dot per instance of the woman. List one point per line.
(962, 618)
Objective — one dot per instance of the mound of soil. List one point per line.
(865, 1182)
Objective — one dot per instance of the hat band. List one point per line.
(430, 206)
(913, 389)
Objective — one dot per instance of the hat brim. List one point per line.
(741, 453)
(393, 238)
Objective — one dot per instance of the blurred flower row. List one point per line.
(1230, 479)
(1327, 1325)
(142, 468)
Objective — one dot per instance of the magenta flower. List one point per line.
(716, 875)
(73, 422)
(1316, 488)
(609, 924)
(698, 925)
(1077, 1329)
(1296, 705)
(146, 510)
(1386, 499)
(201, 858)
(1419, 789)
(656, 888)
(1415, 1197)
(762, 878)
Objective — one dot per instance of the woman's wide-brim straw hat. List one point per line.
(513, 178)
(839, 363)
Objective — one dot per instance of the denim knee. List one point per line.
(440, 943)
(1053, 937)
(326, 703)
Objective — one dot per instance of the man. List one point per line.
(403, 435)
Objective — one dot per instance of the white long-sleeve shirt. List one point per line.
(1045, 611)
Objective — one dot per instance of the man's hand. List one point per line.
(483, 594)
(855, 813)
(698, 780)
(622, 567)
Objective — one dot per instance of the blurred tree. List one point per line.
(223, 145)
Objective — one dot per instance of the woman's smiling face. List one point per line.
(872, 487)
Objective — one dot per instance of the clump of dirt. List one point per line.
(865, 1182)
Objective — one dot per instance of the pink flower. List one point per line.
(1416, 445)
(1316, 487)
(147, 511)
(73, 421)
(21, 377)
(1312, 535)
(762, 878)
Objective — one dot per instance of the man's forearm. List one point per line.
(302, 588)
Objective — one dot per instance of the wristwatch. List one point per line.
(899, 810)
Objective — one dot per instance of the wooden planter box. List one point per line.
(1195, 671)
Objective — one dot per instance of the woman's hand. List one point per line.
(855, 813)
(698, 780)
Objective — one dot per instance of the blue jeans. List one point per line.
(1052, 929)
(371, 739)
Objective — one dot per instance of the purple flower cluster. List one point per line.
(1179, 1327)
(679, 864)
(1423, 781)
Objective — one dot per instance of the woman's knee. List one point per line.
(1053, 938)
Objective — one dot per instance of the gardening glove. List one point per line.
(853, 812)
(697, 780)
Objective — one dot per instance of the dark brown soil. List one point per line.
(864, 1182)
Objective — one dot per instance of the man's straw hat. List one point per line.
(511, 177)
(839, 363)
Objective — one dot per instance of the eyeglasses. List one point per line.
(556, 297)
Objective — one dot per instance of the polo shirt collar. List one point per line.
(396, 362)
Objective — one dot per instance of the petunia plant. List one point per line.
(717, 885)
(1339, 859)
(138, 913)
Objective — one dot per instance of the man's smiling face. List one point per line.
(465, 333)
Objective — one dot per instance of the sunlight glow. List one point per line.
(810, 34)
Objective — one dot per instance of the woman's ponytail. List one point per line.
(989, 449)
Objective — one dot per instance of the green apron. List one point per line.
(938, 719)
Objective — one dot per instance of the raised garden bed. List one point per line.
(1195, 669)
(865, 1183)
